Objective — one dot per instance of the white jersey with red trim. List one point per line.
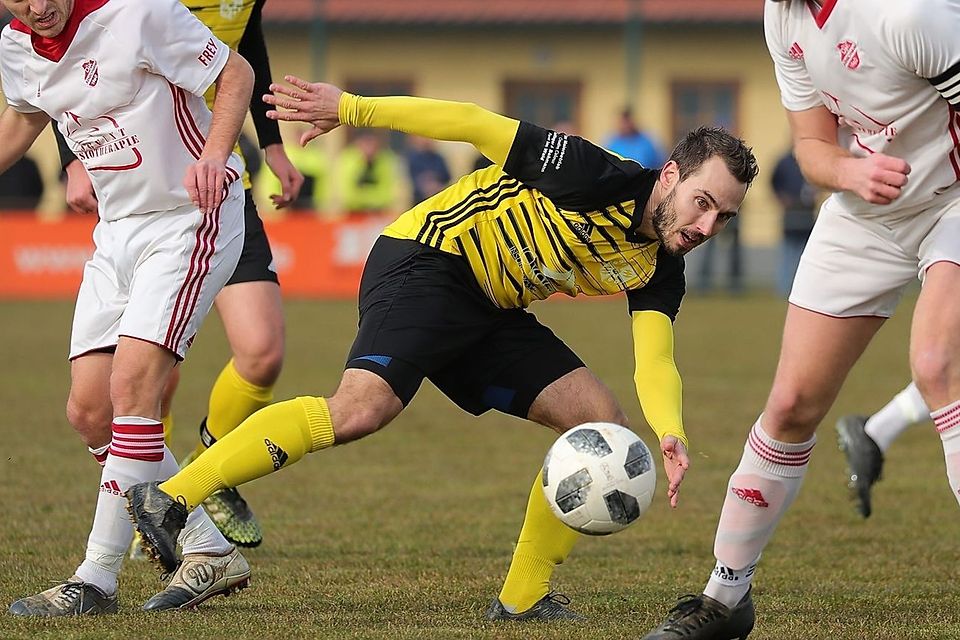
(889, 71)
(125, 82)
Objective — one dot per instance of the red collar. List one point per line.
(823, 13)
(53, 49)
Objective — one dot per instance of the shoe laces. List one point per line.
(69, 593)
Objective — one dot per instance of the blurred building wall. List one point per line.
(476, 64)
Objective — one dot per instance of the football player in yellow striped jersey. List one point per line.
(249, 304)
(444, 296)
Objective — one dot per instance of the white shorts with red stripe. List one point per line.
(855, 265)
(154, 276)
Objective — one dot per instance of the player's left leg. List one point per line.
(252, 314)
(935, 358)
(544, 541)
(252, 317)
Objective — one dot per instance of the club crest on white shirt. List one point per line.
(230, 8)
(90, 74)
(849, 54)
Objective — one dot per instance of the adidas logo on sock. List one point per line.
(278, 455)
(752, 496)
(111, 486)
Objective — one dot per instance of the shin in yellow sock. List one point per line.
(544, 543)
(232, 400)
(272, 438)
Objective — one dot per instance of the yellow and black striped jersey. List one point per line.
(559, 217)
(237, 24)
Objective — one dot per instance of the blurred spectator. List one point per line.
(428, 170)
(730, 237)
(21, 186)
(368, 176)
(631, 142)
(797, 197)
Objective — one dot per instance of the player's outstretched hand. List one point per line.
(315, 102)
(877, 178)
(291, 180)
(675, 463)
(205, 182)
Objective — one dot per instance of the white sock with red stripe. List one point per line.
(199, 534)
(135, 455)
(759, 493)
(100, 453)
(947, 421)
(907, 408)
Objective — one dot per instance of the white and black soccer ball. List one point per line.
(599, 478)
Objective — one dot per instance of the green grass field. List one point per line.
(408, 533)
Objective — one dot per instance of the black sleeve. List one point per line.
(66, 155)
(574, 173)
(254, 48)
(664, 291)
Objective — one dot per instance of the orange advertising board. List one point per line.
(313, 257)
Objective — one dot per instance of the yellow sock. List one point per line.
(167, 421)
(270, 439)
(544, 543)
(232, 400)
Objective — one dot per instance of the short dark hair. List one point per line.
(703, 143)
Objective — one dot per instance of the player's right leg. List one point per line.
(272, 438)
(817, 353)
(864, 440)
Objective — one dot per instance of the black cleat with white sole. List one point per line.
(159, 519)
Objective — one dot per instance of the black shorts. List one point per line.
(423, 315)
(256, 259)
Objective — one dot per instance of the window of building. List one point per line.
(697, 103)
(548, 104)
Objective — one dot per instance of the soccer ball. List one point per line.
(599, 478)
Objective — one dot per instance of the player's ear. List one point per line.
(669, 175)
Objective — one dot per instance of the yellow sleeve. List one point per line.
(491, 133)
(659, 388)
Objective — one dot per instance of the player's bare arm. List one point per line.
(876, 178)
(18, 130)
(205, 179)
(659, 390)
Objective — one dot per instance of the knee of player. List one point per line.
(262, 367)
(790, 408)
(91, 421)
(932, 370)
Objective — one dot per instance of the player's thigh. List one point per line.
(510, 369)
(175, 276)
(574, 399)
(420, 309)
(935, 335)
(816, 355)
(252, 316)
(852, 266)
